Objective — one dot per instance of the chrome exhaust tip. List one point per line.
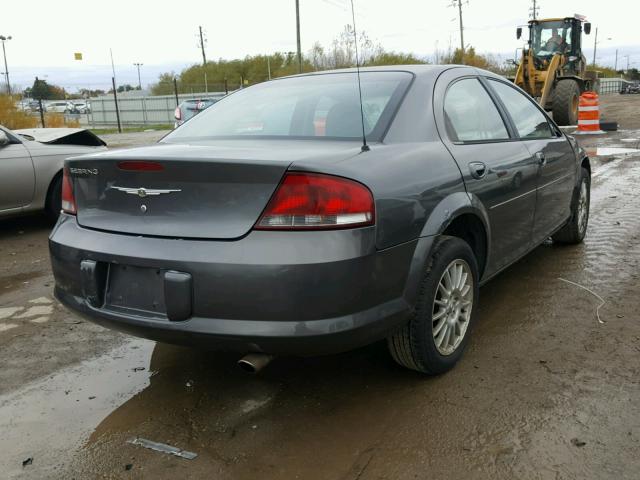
(254, 362)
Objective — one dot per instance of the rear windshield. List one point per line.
(312, 106)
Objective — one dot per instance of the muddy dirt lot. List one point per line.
(544, 391)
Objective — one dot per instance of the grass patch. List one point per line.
(14, 119)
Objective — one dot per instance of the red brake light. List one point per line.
(68, 199)
(177, 114)
(140, 166)
(311, 200)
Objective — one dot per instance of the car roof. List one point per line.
(417, 70)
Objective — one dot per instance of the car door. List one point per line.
(496, 167)
(16, 174)
(555, 156)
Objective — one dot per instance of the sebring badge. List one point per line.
(144, 192)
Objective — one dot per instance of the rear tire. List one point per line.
(53, 204)
(566, 98)
(423, 343)
(576, 229)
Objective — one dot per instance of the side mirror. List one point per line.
(518, 32)
(587, 28)
(4, 140)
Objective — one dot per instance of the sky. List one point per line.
(163, 35)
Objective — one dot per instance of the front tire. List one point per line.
(576, 229)
(566, 99)
(434, 339)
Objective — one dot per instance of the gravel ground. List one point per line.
(544, 391)
(132, 139)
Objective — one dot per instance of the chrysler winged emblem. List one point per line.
(145, 192)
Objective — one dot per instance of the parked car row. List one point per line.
(630, 88)
(58, 106)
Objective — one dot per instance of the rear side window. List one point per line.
(529, 120)
(471, 115)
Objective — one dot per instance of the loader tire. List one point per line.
(566, 98)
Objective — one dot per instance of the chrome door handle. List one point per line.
(541, 158)
(478, 170)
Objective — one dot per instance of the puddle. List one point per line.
(610, 151)
(48, 420)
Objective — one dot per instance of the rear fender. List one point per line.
(446, 211)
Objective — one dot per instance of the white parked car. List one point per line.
(82, 107)
(60, 107)
(31, 163)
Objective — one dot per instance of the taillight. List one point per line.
(177, 114)
(68, 200)
(312, 200)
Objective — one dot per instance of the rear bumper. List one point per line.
(301, 293)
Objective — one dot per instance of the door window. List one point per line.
(471, 115)
(529, 121)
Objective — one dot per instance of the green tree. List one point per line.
(471, 58)
(215, 75)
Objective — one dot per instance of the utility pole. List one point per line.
(138, 65)
(298, 36)
(269, 66)
(6, 69)
(534, 10)
(458, 3)
(615, 65)
(461, 29)
(595, 47)
(204, 56)
(113, 66)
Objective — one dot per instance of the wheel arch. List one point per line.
(586, 163)
(47, 197)
(460, 215)
(579, 80)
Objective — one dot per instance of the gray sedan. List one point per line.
(31, 166)
(267, 225)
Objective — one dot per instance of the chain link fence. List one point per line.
(609, 86)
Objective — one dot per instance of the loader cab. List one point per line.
(558, 35)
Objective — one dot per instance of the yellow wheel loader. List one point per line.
(553, 69)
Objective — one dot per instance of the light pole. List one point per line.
(138, 65)
(6, 69)
(595, 46)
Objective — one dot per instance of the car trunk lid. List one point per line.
(183, 191)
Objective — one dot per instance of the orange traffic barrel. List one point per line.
(589, 113)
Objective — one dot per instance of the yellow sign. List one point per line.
(77, 56)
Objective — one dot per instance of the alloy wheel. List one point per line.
(452, 307)
(583, 207)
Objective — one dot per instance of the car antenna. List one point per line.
(365, 147)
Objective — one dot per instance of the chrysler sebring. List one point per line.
(269, 225)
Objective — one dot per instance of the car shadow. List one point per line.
(32, 223)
